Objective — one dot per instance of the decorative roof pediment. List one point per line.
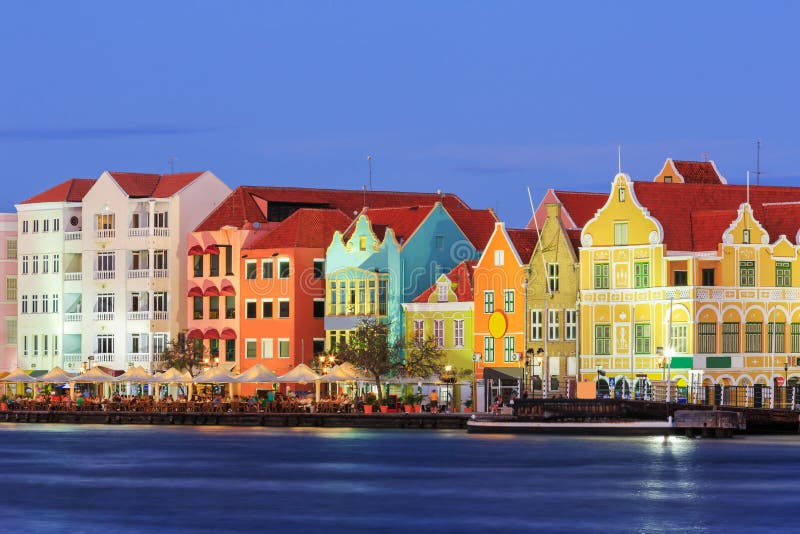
(745, 229)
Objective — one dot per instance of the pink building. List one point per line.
(8, 292)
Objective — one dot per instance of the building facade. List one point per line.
(8, 300)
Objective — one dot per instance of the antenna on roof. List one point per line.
(758, 172)
(369, 162)
(705, 156)
(748, 188)
(171, 160)
(619, 161)
(364, 192)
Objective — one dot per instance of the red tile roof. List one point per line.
(578, 206)
(477, 225)
(305, 228)
(140, 185)
(698, 172)
(574, 235)
(72, 190)
(461, 276)
(680, 210)
(242, 205)
(524, 240)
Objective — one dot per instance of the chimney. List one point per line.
(553, 210)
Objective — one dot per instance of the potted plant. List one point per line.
(384, 406)
(418, 402)
(408, 402)
(369, 402)
(468, 406)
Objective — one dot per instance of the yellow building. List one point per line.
(699, 268)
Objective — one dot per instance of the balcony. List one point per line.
(139, 273)
(161, 232)
(145, 315)
(160, 316)
(103, 357)
(73, 277)
(138, 357)
(160, 273)
(138, 232)
(105, 234)
(73, 236)
(73, 317)
(104, 275)
(72, 357)
(103, 316)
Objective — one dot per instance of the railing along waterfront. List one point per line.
(757, 396)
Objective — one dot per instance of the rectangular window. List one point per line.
(730, 338)
(266, 309)
(228, 259)
(35, 338)
(283, 348)
(362, 243)
(24, 227)
(266, 269)
(488, 349)
(105, 344)
(488, 302)
(680, 338)
(197, 307)
(746, 237)
(419, 330)
(267, 347)
(570, 325)
(11, 288)
(783, 274)
(213, 307)
(56, 225)
(508, 300)
(213, 265)
(752, 337)
(45, 264)
(250, 309)
(439, 242)
(681, 278)
(499, 257)
(776, 337)
(45, 304)
(641, 274)
(213, 348)
(36, 225)
(230, 350)
(24, 264)
(319, 269)
(160, 301)
(34, 304)
(104, 303)
(55, 303)
(160, 342)
(105, 261)
(35, 264)
(708, 277)
(747, 273)
(46, 225)
(249, 348)
(795, 338)
(56, 263)
(198, 265)
(601, 276)
(283, 309)
(283, 268)
(536, 325)
(508, 349)
(11, 248)
(382, 297)
(602, 339)
(250, 270)
(641, 338)
(161, 219)
(553, 326)
(707, 338)
(442, 291)
(11, 330)
(621, 233)
(105, 221)
(230, 307)
(458, 332)
(24, 304)
(438, 332)
(552, 277)
(319, 308)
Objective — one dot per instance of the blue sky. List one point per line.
(478, 98)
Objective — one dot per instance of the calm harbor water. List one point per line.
(64, 478)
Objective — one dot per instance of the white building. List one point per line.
(101, 267)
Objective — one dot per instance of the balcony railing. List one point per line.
(73, 236)
(160, 316)
(161, 232)
(160, 273)
(139, 273)
(73, 317)
(72, 357)
(104, 275)
(103, 316)
(103, 357)
(139, 315)
(73, 277)
(138, 357)
(105, 234)
(138, 232)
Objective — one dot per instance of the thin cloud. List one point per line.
(73, 134)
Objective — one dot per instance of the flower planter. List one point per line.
(409, 408)
(384, 409)
(367, 408)
(467, 410)
(417, 408)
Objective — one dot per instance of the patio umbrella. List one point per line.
(18, 375)
(348, 369)
(215, 375)
(336, 375)
(137, 375)
(94, 376)
(56, 375)
(302, 374)
(258, 374)
(171, 376)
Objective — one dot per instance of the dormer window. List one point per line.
(442, 288)
(668, 179)
(362, 243)
(746, 237)
(622, 194)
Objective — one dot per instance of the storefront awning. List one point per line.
(195, 333)
(227, 333)
(195, 250)
(194, 291)
(212, 249)
(502, 373)
(211, 333)
(226, 288)
(209, 289)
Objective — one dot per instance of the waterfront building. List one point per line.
(500, 308)
(220, 267)
(444, 312)
(100, 265)
(691, 267)
(389, 256)
(8, 301)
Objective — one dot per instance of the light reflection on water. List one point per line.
(204, 479)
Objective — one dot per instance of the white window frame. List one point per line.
(570, 325)
(255, 348)
(537, 325)
(442, 291)
(419, 330)
(621, 233)
(553, 325)
(288, 262)
(458, 333)
(246, 306)
(499, 257)
(438, 332)
(288, 350)
(267, 347)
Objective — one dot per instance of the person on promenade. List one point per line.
(434, 396)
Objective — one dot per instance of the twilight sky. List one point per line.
(477, 98)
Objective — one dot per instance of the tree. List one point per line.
(368, 348)
(424, 358)
(184, 355)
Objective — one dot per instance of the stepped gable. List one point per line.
(477, 225)
(698, 172)
(72, 190)
(263, 203)
(305, 228)
(141, 185)
(403, 221)
(524, 240)
(674, 207)
(461, 277)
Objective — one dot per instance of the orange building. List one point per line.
(500, 310)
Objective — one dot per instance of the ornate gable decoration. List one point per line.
(622, 206)
(745, 230)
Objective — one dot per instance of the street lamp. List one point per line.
(476, 357)
(539, 361)
(529, 355)
(449, 379)
(668, 354)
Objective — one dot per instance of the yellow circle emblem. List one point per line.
(497, 324)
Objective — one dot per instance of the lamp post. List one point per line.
(668, 354)
(529, 356)
(476, 357)
(539, 361)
